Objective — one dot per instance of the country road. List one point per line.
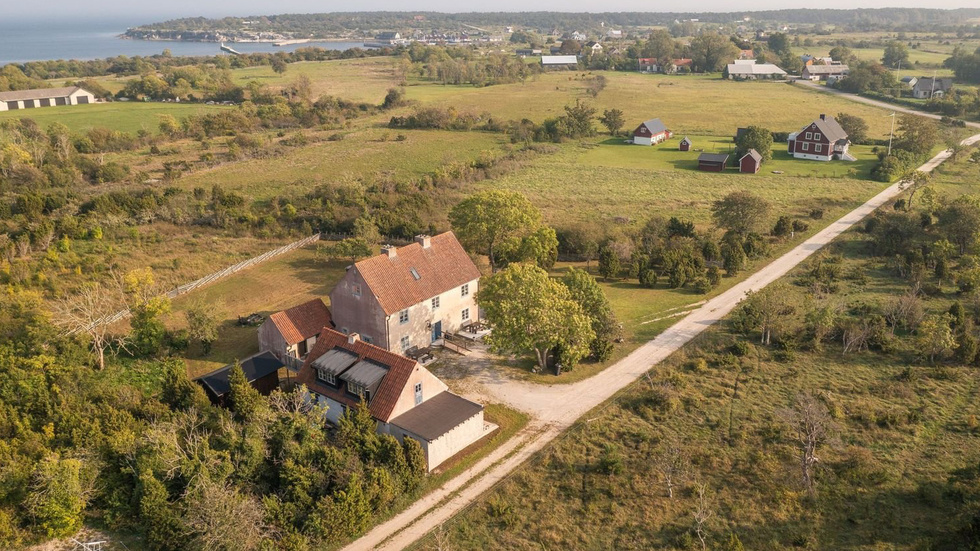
(555, 408)
(868, 101)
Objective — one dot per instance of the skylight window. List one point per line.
(415, 274)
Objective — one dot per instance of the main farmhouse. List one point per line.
(405, 399)
(408, 296)
(821, 140)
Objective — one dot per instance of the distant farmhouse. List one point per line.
(821, 140)
(651, 132)
(525, 52)
(909, 81)
(559, 61)
(409, 296)
(929, 87)
(45, 97)
(647, 65)
(404, 398)
(808, 59)
(748, 69)
(824, 72)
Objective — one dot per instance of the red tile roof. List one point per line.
(301, 322)
(383, 402)
(441, 267)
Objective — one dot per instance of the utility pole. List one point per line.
(933, 85)
(890, 133)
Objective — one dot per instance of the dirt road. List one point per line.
(554, 408)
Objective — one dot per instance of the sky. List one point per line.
(148, 12)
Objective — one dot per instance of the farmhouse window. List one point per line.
(806, 146)
(809, 135)
(325, 376)
(405, 342)
(403, 316)
(818, 148)
(435, 303)
(465, 290)
(356, 290)
(816, 136)
(358, 390)
(466, 314)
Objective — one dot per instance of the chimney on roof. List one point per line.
(352, 338)
(389, 250)
(823, 117)
(424, 240)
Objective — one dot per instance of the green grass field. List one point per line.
(688, 104)
(124, 116)
(366, 79)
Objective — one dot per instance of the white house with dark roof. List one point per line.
(651, 132)
(929, 87)
(45, 97)
(405, 399)
(408, 296)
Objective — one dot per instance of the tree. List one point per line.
(608, 263)
(934, 336)
(218, 514)
(916, 134)
(202, 324)
(659, 46)
(529, 311)
(56, 497)
(147, 309)
(702, 512)
(243, 399)
(779, 43)
(613, 120)
(588, 294)
(179, 392)
(733, 258)
(764, 310)
(487, 220)
(810, 425)
(279, 65)
(758, 138)
(159, 519)
(842, 54)
(741, 212)
(913, 182)
(571, 47)
(711, 51)
(540, 247)
(854, 126)
(89, 312)
(959, 221)
(896, 54)
(351, 248)
(671, 463)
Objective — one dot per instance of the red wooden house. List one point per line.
(685, 144)
(821, 140)
(651, 132)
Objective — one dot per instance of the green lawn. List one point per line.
(124, 116)
(366, 79)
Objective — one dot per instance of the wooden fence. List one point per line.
(221, 274)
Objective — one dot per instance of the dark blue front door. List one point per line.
(436, 331)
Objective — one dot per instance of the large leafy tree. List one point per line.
(504, 226)
(659, 46)
(588, 294)
(741, 212)
(856, 128)
(757, 138)
(613, 120)
(896, 54)
(529, 311)
(711, 51)
(916, 134)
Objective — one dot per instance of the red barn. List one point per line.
(750, 162)
(685, 144)
(651, 132)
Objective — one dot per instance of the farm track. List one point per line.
(555, 408)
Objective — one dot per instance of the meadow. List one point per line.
(363, 80)
(129, 116)
(905, 436)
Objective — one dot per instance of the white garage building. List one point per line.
(45, 97)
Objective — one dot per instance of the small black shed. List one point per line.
(712, 162)
(261, 370)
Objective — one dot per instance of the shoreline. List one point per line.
(283, 42)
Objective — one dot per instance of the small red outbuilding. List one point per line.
(750, 163)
